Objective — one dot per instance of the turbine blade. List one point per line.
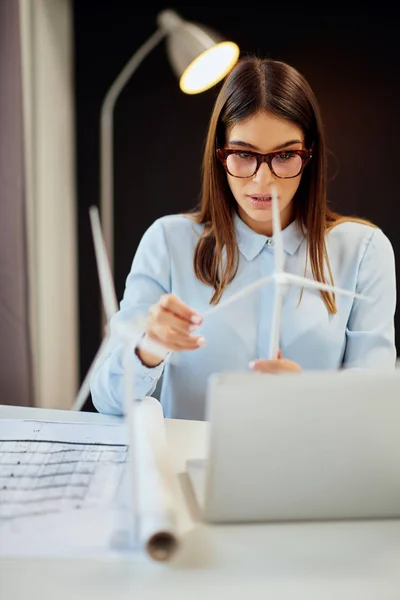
(130, 407)
(84, 389)
(133, 331)
(153, 347)
(274, 343)
(129, 386)
(108, 294)
(311, 283)
(247, 290)
(279, 253)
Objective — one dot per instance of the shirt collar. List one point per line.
(251, 243)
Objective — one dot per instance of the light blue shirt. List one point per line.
(359, 335)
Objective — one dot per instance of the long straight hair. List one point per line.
(272, 86)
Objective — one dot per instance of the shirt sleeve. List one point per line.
(148, 279)
(370, 335)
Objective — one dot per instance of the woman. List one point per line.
(265, 131)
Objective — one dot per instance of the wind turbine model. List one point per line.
(282, 281)
(130, 331)
(150, 473)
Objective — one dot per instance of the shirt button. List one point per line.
(270, 242)
(148, 379)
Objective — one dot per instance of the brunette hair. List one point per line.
(254, 85)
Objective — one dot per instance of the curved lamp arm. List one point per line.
(106, 140)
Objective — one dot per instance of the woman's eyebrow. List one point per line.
(248, 145)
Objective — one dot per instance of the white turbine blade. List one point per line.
(130, 407)
(154, 347)
(279, 254)
(274, 344)
(247, 290)
(311, 283)
(108, 294)
(133, 332)
(128, 375)
(84, 390)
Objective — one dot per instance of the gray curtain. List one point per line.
(16, 385)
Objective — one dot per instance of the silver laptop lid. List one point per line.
(314, 446)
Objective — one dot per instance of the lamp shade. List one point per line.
(199, 56)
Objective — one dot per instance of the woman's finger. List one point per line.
(265, 366)
(279, 365)
(171, 303)
(174, 340)
(158, 314)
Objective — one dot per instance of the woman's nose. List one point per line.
(264, 174)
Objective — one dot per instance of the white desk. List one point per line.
(319, 561)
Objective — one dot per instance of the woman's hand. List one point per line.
(171, 323)
(279, 365)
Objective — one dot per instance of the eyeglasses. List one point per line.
(245, 163)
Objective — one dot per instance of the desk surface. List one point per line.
(353, 560)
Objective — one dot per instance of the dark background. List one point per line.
(350, 56)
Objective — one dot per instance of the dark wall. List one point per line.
(350, 58)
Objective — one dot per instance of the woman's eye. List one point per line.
(244, 155)
(285, 156)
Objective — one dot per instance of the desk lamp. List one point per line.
(200, 59)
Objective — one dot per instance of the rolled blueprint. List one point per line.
(154, 501)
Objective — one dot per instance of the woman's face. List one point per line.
(264, 133)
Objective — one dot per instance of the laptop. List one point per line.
(316, 446)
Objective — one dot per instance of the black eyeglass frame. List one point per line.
(223, 154)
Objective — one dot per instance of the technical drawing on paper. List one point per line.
(39, 476)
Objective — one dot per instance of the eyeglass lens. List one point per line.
(245, 165)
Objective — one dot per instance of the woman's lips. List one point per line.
(261, 203)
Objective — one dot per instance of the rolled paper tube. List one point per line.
(154, 497)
